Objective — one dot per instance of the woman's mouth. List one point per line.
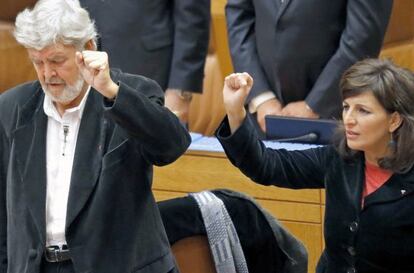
(351, 134)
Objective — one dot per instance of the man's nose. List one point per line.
(49, 71)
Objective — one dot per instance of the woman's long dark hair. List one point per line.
(393, 87)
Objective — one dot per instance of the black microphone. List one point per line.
(310, 137)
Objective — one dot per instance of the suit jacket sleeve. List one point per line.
(139, 109)
(362, 38)
(290, 169)
(3, 212)
(191, 34)
(240, 18)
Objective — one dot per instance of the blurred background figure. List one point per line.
(296, 51)
(163, 40)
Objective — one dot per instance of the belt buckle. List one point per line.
(53, 254)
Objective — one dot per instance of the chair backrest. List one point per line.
(267, 246)
(193, 255)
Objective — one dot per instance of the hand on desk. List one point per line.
(298, 109)
(269, 107)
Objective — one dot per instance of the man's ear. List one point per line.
(90, 45)
(395, 121)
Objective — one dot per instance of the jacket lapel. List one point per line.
(282, 8)
(30, 146)
(354, 171)
(399, 186)
(88, 155)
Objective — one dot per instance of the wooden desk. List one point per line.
(299, 210)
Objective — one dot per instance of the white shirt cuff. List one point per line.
(257, 101)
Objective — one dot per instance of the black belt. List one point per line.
(54, 254)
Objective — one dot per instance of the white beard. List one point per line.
(68, 94)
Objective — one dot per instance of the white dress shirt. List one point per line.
(62, 133)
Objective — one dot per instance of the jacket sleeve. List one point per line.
(138, 108)
(3, 211)
(362, 37)
(303, 169)
(240, 16)
(191, 35)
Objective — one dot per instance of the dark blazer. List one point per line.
(164, 40)
(113, 223)
(299, 49)
(376, 238)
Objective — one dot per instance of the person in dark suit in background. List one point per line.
(77, 148)
(296, 51)
(163, 40)
(367, 173)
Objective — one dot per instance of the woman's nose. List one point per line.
(348, 117)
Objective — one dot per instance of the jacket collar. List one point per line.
(397, 187)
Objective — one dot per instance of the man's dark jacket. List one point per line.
(113, 223)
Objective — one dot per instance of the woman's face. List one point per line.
(368, 126)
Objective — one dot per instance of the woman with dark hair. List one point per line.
(367, 173)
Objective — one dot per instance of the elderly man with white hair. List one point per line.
(77, 148)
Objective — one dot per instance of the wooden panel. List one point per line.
(401, 54)
(293, 211)
(399, 39)
(219, 36)
(15, 67)
(10, 8)
(207, 109)
(323, 197)
(192, 173)
(217, 6)
(323, 216)
(165, 195)
(400, 27)
(290, 211)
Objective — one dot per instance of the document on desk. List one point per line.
(211, 144)
(203, 143)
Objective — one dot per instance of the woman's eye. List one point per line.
(363, 111)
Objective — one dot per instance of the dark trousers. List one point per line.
(61, 267)
(67, 267)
